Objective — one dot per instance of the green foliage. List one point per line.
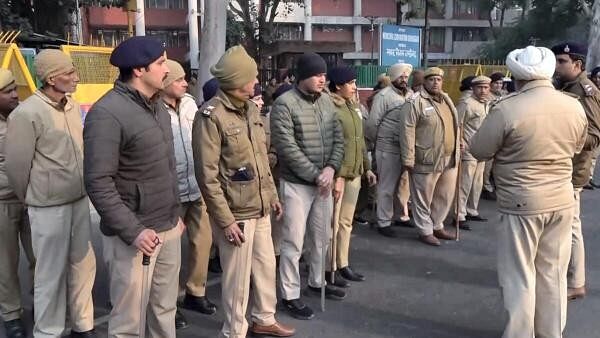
(548, 22)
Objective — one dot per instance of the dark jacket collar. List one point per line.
(136, 96)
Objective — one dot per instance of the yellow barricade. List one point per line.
(12, 59)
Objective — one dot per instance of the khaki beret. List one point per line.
(481, 79)
(434, 71)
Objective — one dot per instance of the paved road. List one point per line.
(413, 290)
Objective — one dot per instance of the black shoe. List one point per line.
(463, 225)
(360, 220)
(86, 334)
(180, 321)
(488, 195)
(331, 292)
(214, 265)
(476, 218)
(14, 329)
(298, 309)
(349, 274)
(588, 187)
(594, 184)
(387, 232)
(339, 281)
(406, 224)
(199, 304)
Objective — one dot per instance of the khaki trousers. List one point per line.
(14, 227)
(344, 216)
(253, 261)
(199, 233)
(487, 174)
(533, 256)
(576, 272)
(432, 196)
(65, 268)
(393, 191)
(126, 278)
(304, 209)
(471, 181)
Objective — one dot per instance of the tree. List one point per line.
(418, 11)
(212, 43)
(253, 22)
(593, 59)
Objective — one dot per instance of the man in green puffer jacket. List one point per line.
(310, 149)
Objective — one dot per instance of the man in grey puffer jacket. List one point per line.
(310, 147)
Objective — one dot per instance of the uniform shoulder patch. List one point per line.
(208, 110)
(589, 89)
(413, 97)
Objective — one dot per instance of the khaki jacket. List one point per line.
(421, 134)
(589, 97)
(44, 151)
(232, 167)
(471, 113)
(532, 136)
(384, 101)
(7, 194)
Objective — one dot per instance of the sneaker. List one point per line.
(298, 309)
(331, 292)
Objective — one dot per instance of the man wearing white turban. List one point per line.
(393, 190)
(532, 135)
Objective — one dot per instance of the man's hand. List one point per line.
(277, 209)
(180, 226)
(338, 189)
(325, 179)
(234, 235)
(147, 241)
(371, 178)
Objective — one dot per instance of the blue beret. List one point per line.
(595, 71)
(570, 48)
(209, 89)
(138, 51)
(341, 75)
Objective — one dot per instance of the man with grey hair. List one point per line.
(532, 136)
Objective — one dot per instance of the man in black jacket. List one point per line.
(131, 180)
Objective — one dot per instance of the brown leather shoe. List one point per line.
(430, 240)
(443, 234)
(275, 330)
(575, 293)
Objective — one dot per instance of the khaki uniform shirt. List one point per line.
(383, 102)
(232, 167)
(471, 114)
(532, 135)
(422, 134)
(7, 195)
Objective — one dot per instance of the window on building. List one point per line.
(437, 36)
(108, 37)
(167, 4)
(470, 34)
(171, 38)
(464, 7)
(289, 32)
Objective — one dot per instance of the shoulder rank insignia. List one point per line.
(208, 110)
(589, 89)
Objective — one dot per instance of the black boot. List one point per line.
(180, 321)
(14, 329)
(199, 304)
(348, 274)
(86, 334)
(338, 281)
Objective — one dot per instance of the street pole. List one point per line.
(193, 34)
(426, 47)
(140, 21)
(372, 19)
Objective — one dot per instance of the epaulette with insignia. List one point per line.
(589, 89)
(208, 110)
(413, 97)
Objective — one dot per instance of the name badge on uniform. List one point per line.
(429, 109)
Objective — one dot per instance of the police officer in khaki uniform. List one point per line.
(393, 191)
(232, 169)
(572, 78)
(14, 225)
(532, 136)
(471, 113)
(428, 134)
